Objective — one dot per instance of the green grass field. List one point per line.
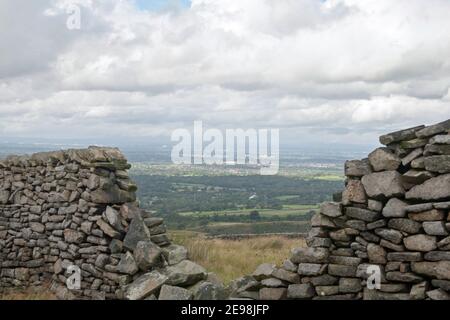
(287, 210)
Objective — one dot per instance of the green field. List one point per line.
(288, 210)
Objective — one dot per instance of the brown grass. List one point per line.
(231, 259)
(41, 293)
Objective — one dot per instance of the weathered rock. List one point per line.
(412, 156)
(272, 283)
(383, 159)
(354, 192)
(378, 295)
(438, 294)
(185, 273)
(440, 139)
(144, 286)
(310, 255)
(127, 264)
(174, 293)
(273, 293)
(73, 236)
(311, 269)
(147, 255)
(376, 253)
(401, 135)
(286, 276)
(341, 270)
(437, 255)
(415, 177)
(174, 254)
(435, 228)
(319, 220)
(430, 215)
(390, 235)
(395, 208)
(420, 242)
(300, 291)
(349, 285)
(439, 269)
(434, 129)
(107, 229)
(375, 205)
(137, 231)
(380, 185)
(205, 290)
(405, 225)
(357, 168)
(404, 256)
(414, 143)
(331, 209)
(362, 214)
(407, 277)
(444, 244)
(437, 188)
(113, 218)
(439, 163)
(264, 271)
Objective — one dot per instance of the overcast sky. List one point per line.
(335, 71)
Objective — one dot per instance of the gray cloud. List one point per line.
(335, 70)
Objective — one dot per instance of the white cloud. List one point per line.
(333, 68)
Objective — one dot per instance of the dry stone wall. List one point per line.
(393, 214)
(77, 209)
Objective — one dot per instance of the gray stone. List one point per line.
(401, 135)
(440, 139)
(415, 177)
(354, 192)
(431, 149)
(300, 291)
(205, 290)
(331, 209)
(327, 290)
(272, 283)
(273, 293)
(437, 188)
(416, 208)
(376, 224)
(357, 168)
(286, 276)
(73, 236)
(407, 277)
(434, 129)
(319, 220)
(443, 284)
(418, 290)
(127, 264)
(375, 205)
(362, 214)
(440, 164)
(414, 143)
(137, 231)
(185, 273)
(395, 208)
(310, 255)
(435, 228)
(347, 261)
(405, 225)
(390, 235)
(430, 215)
(376, 254)
(174, 293)
(107, 229)
(113, 218)
(174, 254)
(341, 270)
(438, 294)
(324, 280)
(116, 246)
(356, 224)
(404, 256)
(381, 185)
(37, 227)
(439, 269)
(394, 287)
(311, 269)
(418, 163)
(420, 242)
(378, 295)
(264, 271)
(383, 159)
(144, 286)
(437, 255)
(392, 246)
(147, 255)
(412, 156)
(349, 285)
(444, 244)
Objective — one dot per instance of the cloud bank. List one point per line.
(335, 70)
